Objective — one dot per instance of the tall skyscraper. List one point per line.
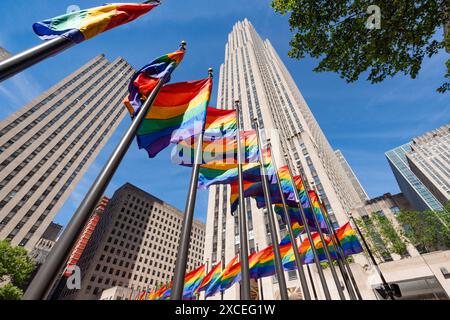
(254, 73)
(4, 54)
(429, 160)
(47, 146)
(134, 245)
(352, 176)
(412, 187)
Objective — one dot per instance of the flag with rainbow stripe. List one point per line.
(178, 113)
(145, 80)
(85, 24)
(191, 282)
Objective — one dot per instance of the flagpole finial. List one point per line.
(183, 45)
(210, 72)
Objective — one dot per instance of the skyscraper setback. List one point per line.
(254, 74)
(47, 146)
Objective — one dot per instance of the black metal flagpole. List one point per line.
(337, 249)
(346, 264)
(383, 280)
(323, 281)
(270, 215)
(312, 282)
(185, 237)
(55, 262)
(243, 241)
(334, 274)
(32, 56)
(298, 261)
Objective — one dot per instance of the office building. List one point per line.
(411, 186)
(429, 160)
(254, 74)
(47, 146)
(134, 245)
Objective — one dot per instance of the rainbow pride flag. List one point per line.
(306, 249)
(166, 294)
(251, 189)
(151, 295)
(348, 240)
(210, 277)
(266, 263)
(191, 282)
(160, 292)
(220, 123)
(286, 183)
(212, 174)
(318, 210)
(145, 80)
(309, 210)
(85, 24)
(230, 276)
(294, 215)
(221, 173)
(215, 286)
(218, 151)
(178, 113)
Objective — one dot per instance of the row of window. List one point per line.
(56, 92)
(75, 173)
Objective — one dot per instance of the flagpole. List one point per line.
(298, 261)
(206, 273)
(346, 271)
(312, 282)
(223, 267)
(55, 262)
(270, 215)
(377, 268)
(30, 57)
(243, 241)
(334, 274)
(36, 54)
(185, 237)
(339, 256)
(323, 281)
(260, 280)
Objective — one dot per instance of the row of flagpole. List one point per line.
(52, 269)
(185, 237)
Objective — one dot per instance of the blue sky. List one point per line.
(361, 119)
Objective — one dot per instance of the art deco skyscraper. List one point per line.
(47, 146)
(254, 73)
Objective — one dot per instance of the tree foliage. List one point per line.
(335, 32)
(426, 230)
(390, 234)
(10, 292)
(15, 268)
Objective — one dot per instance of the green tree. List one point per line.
(10, 292)
(15, 268)
(336, 33)
(387, 230)
(425, 230)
